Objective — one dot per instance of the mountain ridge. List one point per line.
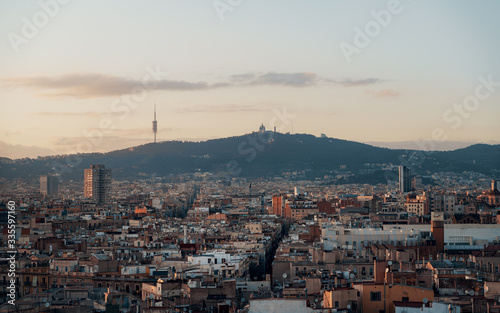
(254, 155)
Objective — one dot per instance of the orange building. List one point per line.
(142, 210)
(278, 205)
(218, 217)
(340, 298)
(381, 297)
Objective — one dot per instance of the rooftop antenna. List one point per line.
(155, 124)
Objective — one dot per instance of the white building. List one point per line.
(459, 236)
(434, 307)
(220, 263)
(279, 305)
(339, 237)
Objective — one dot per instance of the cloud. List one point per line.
(89, 85)
(358, 82)
(225, 108)
(385, 93)
(70, 114)
(89, 114)
(301, 79)
(97, 85)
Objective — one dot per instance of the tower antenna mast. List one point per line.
(155, 124)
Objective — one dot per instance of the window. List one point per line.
(375, 296)
(405, 299)
(336, 304)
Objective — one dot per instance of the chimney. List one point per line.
(379, 271)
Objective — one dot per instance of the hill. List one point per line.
(255, 155)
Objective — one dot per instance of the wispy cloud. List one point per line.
(358, 82)
(385, 93)
(301, 79)
(89, 85)
(69, 114)
(89, 114)
(96, 85)
(224, 108)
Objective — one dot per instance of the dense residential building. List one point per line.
(417, 204)
(207, 245)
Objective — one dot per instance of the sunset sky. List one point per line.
(218, 70)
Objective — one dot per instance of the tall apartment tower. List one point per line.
(97, 183)
(48, 185)
(437, 229)
(404, 179)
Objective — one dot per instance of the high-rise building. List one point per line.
(404, 179)
(97, 183)
(48, 185)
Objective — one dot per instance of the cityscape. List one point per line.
(259, 173)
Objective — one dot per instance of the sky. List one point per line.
(83, 76)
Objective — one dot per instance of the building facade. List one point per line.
(404, 179)
(97, 183)
(48, 185)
